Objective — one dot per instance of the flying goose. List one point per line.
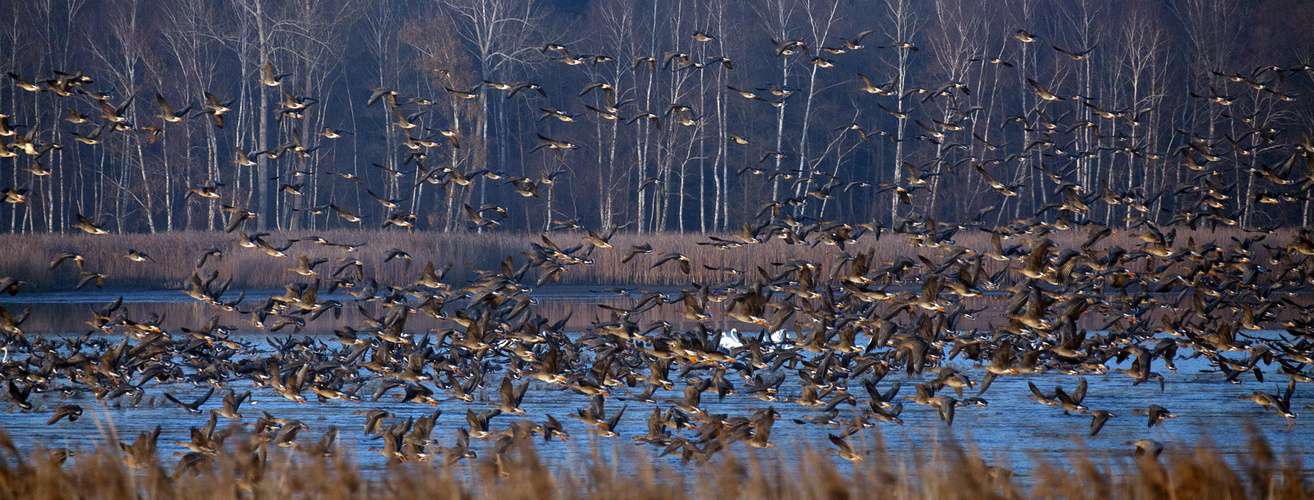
(85, 224)
(268, 77)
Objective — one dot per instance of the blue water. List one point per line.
(1012, 430)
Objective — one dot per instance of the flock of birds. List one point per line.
(834, 341)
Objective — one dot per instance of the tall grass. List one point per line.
(26, 257)
(938, 472)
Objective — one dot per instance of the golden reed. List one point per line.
(247, 471)
(174, 255)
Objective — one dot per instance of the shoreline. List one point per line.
(173, 256)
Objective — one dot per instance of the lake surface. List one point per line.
(1013, 430)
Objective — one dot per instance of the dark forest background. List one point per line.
(971, 111)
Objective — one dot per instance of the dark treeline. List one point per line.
(652, 116)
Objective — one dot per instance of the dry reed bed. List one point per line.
(26, 257)
(938, 472)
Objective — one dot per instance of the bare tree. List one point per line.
(905, 23)
(820, 21)
(1214, 30)
(777, 19)
(956, 41)
(122, 59)
(257, 20)
(1083, 52)
(444, 62)
(613, 28)
(189, 35)
(502, 36)
(1142, 41)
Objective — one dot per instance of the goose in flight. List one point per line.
(1041, 91)
(673, 256)
(1098, 419)
(1075, 56)
(60, 258)
(268, 77)
(511, 397)
(844, 449)
(1155, 413)
(870, 88)
(856, 42)
(22, 83)
(232, 401)
(1280, 403)
(85, 224)
(306, 266)
(15, 196)
(215, 108)
(138, 256)
(550, 143)
(114, 114)
(70, 411)
(380, 93)
(166, 111)
(193, 407)
(556, 113)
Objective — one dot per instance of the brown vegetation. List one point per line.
(175, 254)
(943, 472)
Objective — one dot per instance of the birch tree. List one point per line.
(905, 23)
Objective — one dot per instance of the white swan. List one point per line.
(730, 340)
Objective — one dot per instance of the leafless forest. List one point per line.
(149, 115)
